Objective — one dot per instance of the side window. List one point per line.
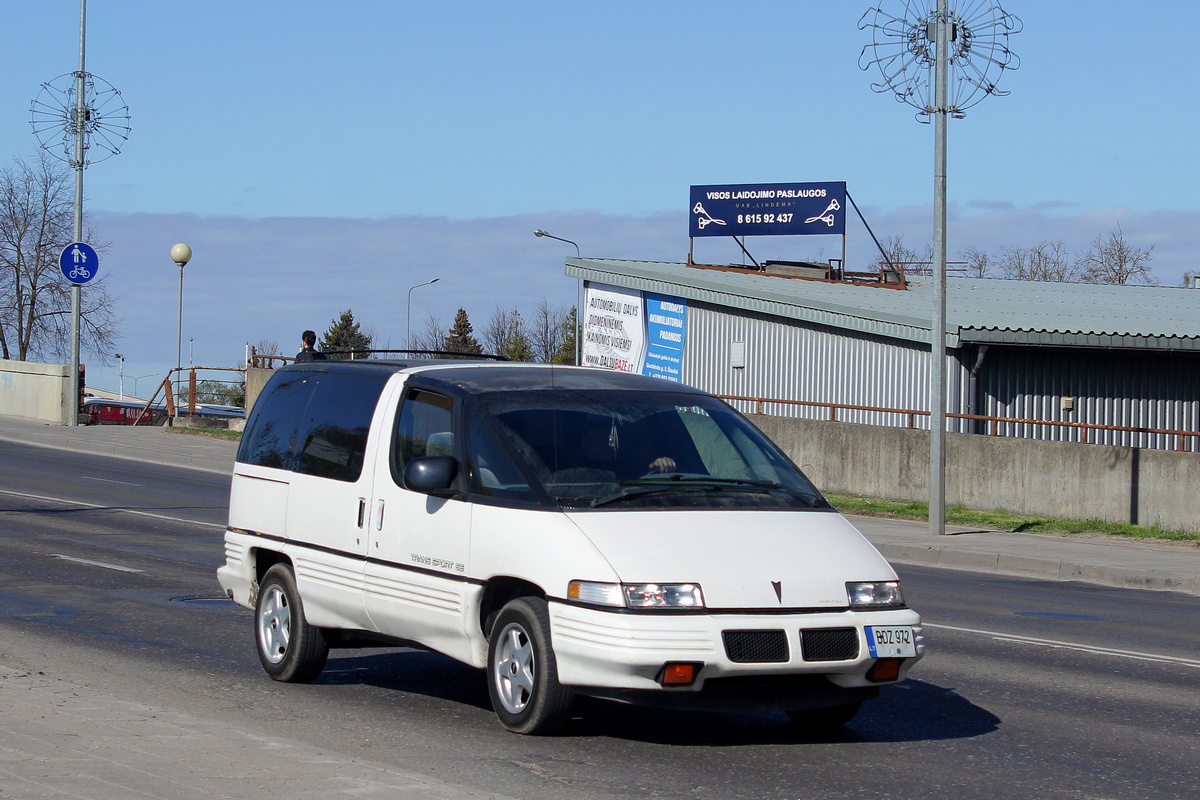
(423, 429)
(332, 439)
(272, 427)
(493, 473)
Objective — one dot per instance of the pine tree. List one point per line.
(344, 334)
(566, 351)
(459, 339)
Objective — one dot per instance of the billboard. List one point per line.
(631, 331)
(768, 209)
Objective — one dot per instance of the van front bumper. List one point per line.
(621, 655)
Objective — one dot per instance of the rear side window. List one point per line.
(275, 419)
(332, 440)
(313, 423)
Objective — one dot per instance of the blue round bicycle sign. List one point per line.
(79, 262)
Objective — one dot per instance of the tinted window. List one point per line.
(314, 423)
(493, 472)
(332, 440)
(275, 418)
(422, 429)
(621, 449)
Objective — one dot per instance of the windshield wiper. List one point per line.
(681, 477)
(640, 487)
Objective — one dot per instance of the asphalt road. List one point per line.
(1031, 689)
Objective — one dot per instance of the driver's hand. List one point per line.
(663, 464)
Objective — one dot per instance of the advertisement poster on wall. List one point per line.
(639, 332)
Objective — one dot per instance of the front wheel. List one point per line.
(522, 673)
(289, 648)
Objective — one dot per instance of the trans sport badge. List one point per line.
(778, 587)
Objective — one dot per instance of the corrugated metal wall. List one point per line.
(1139, 390)
(791, 360)
(787, 359)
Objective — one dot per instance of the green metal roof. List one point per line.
(978, 310)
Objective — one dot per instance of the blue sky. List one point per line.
(323, 156)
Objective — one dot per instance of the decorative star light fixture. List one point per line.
(903, 49)
(941, 57)
(80, 133)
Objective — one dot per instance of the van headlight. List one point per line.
(637, 595)
(875, 594)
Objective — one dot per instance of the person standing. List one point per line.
(308, 348)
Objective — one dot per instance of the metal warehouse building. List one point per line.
(1115, 356)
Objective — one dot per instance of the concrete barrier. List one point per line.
(256, 379)
(1024, 476)
(35, 391)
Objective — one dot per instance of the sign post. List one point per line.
(79, 264)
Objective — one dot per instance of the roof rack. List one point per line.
(431, 353)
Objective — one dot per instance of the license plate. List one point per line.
(891, 641)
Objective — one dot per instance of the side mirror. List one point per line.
(431, 475)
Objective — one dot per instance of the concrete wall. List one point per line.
(35, 391)
(256, 379)
(1024, 476)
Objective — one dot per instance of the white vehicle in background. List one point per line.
(572, 531)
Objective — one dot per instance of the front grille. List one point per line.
(829, 644)
(747, 647)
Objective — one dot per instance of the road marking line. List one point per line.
(108, 480)
(134, 511)
(1086, 648)
(95, 563)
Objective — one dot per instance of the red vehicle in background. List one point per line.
(101, 411)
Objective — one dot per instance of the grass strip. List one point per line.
(1003, 520)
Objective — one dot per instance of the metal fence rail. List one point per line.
(995, 423)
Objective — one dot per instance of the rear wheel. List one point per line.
(824, 719)
(522, 673)
(289, 648)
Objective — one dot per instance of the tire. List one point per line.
(289, 648)
(522, 673)
(817, 720)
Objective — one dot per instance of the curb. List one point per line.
(1023, 566)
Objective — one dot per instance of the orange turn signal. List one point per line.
(676, 674)
(885, 669)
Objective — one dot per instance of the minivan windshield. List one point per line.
(642, 449)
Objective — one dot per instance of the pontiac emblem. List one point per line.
(778, 587)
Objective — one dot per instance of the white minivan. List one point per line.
(573, 531)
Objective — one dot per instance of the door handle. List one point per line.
(362, 510)
(379, 517)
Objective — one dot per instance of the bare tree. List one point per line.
(1047, 261)
(547, 331)
(896, 253)
(36, 223)
(978, 263)
(431, 335)
(505, 334)
(1114, 260)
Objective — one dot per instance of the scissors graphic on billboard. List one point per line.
(705, 217)
(826, 216)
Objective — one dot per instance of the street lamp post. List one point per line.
(578, 297)
(138, 378)
(121, 373)
(181, 254)
(539, 233)
(408, 313)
